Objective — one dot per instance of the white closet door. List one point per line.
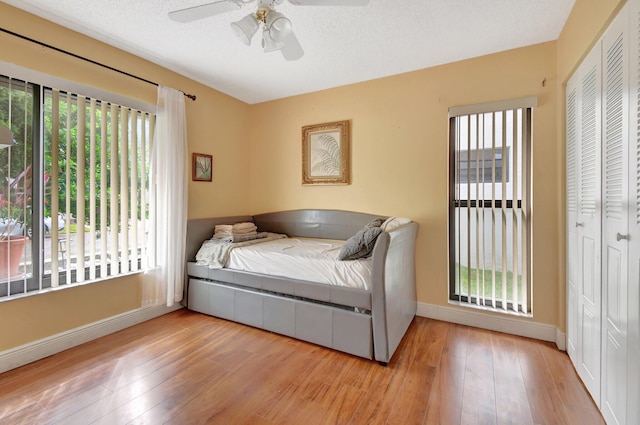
(572, 218)
(615, 218)
(633, 290)
(589, 224)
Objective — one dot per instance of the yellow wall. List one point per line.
(400, 155)
(217, 124)
(31, 318)
(585, 25)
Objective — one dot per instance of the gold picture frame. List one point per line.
(325, 153)
(202, 167)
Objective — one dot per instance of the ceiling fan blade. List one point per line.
(329, 2)
(194, 13)
(292, 50)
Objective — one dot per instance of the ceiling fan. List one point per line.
(277, 33)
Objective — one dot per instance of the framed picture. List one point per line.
(202, 167)
(325, 153)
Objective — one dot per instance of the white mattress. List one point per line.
(314, 260)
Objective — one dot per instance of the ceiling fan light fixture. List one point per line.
(269, 44)
(277, 29)
(245, 28)
(279, 26)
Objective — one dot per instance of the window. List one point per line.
(481, 164)
(489, 231)
(76, 181)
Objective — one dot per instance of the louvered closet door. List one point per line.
(615, 218)
(633, 244)
(572, 218)
(588, 224)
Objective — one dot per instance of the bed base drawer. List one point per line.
(320, 324)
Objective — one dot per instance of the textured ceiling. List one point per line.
(342, 45)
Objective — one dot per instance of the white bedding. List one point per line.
(214, 253)
(314, 260)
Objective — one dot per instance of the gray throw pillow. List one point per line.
(360, 245)
(377, 222)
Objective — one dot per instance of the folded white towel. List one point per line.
(241, 238)
(245, 225)
(225, 234)
(243, 231)
(238, 227)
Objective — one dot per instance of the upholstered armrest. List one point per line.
(393, 290)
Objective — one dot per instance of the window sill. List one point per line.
(490, 309)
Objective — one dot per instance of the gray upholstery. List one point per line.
(298, 288)
(369, 324)
(393, 300)
(317, 323)
(327, 224)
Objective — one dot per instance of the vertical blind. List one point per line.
(490, 205)
(103, 179)
(17, 100)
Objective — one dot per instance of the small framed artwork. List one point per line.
(202, 167)
(325, 153)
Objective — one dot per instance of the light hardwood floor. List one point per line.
(188, 368)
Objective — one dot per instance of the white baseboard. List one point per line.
(27, 353)
(561, 340)
(500, 323)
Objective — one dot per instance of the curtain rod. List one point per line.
(190, 96)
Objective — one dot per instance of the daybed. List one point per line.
(365, 322)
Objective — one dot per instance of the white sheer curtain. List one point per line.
(169, 176)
